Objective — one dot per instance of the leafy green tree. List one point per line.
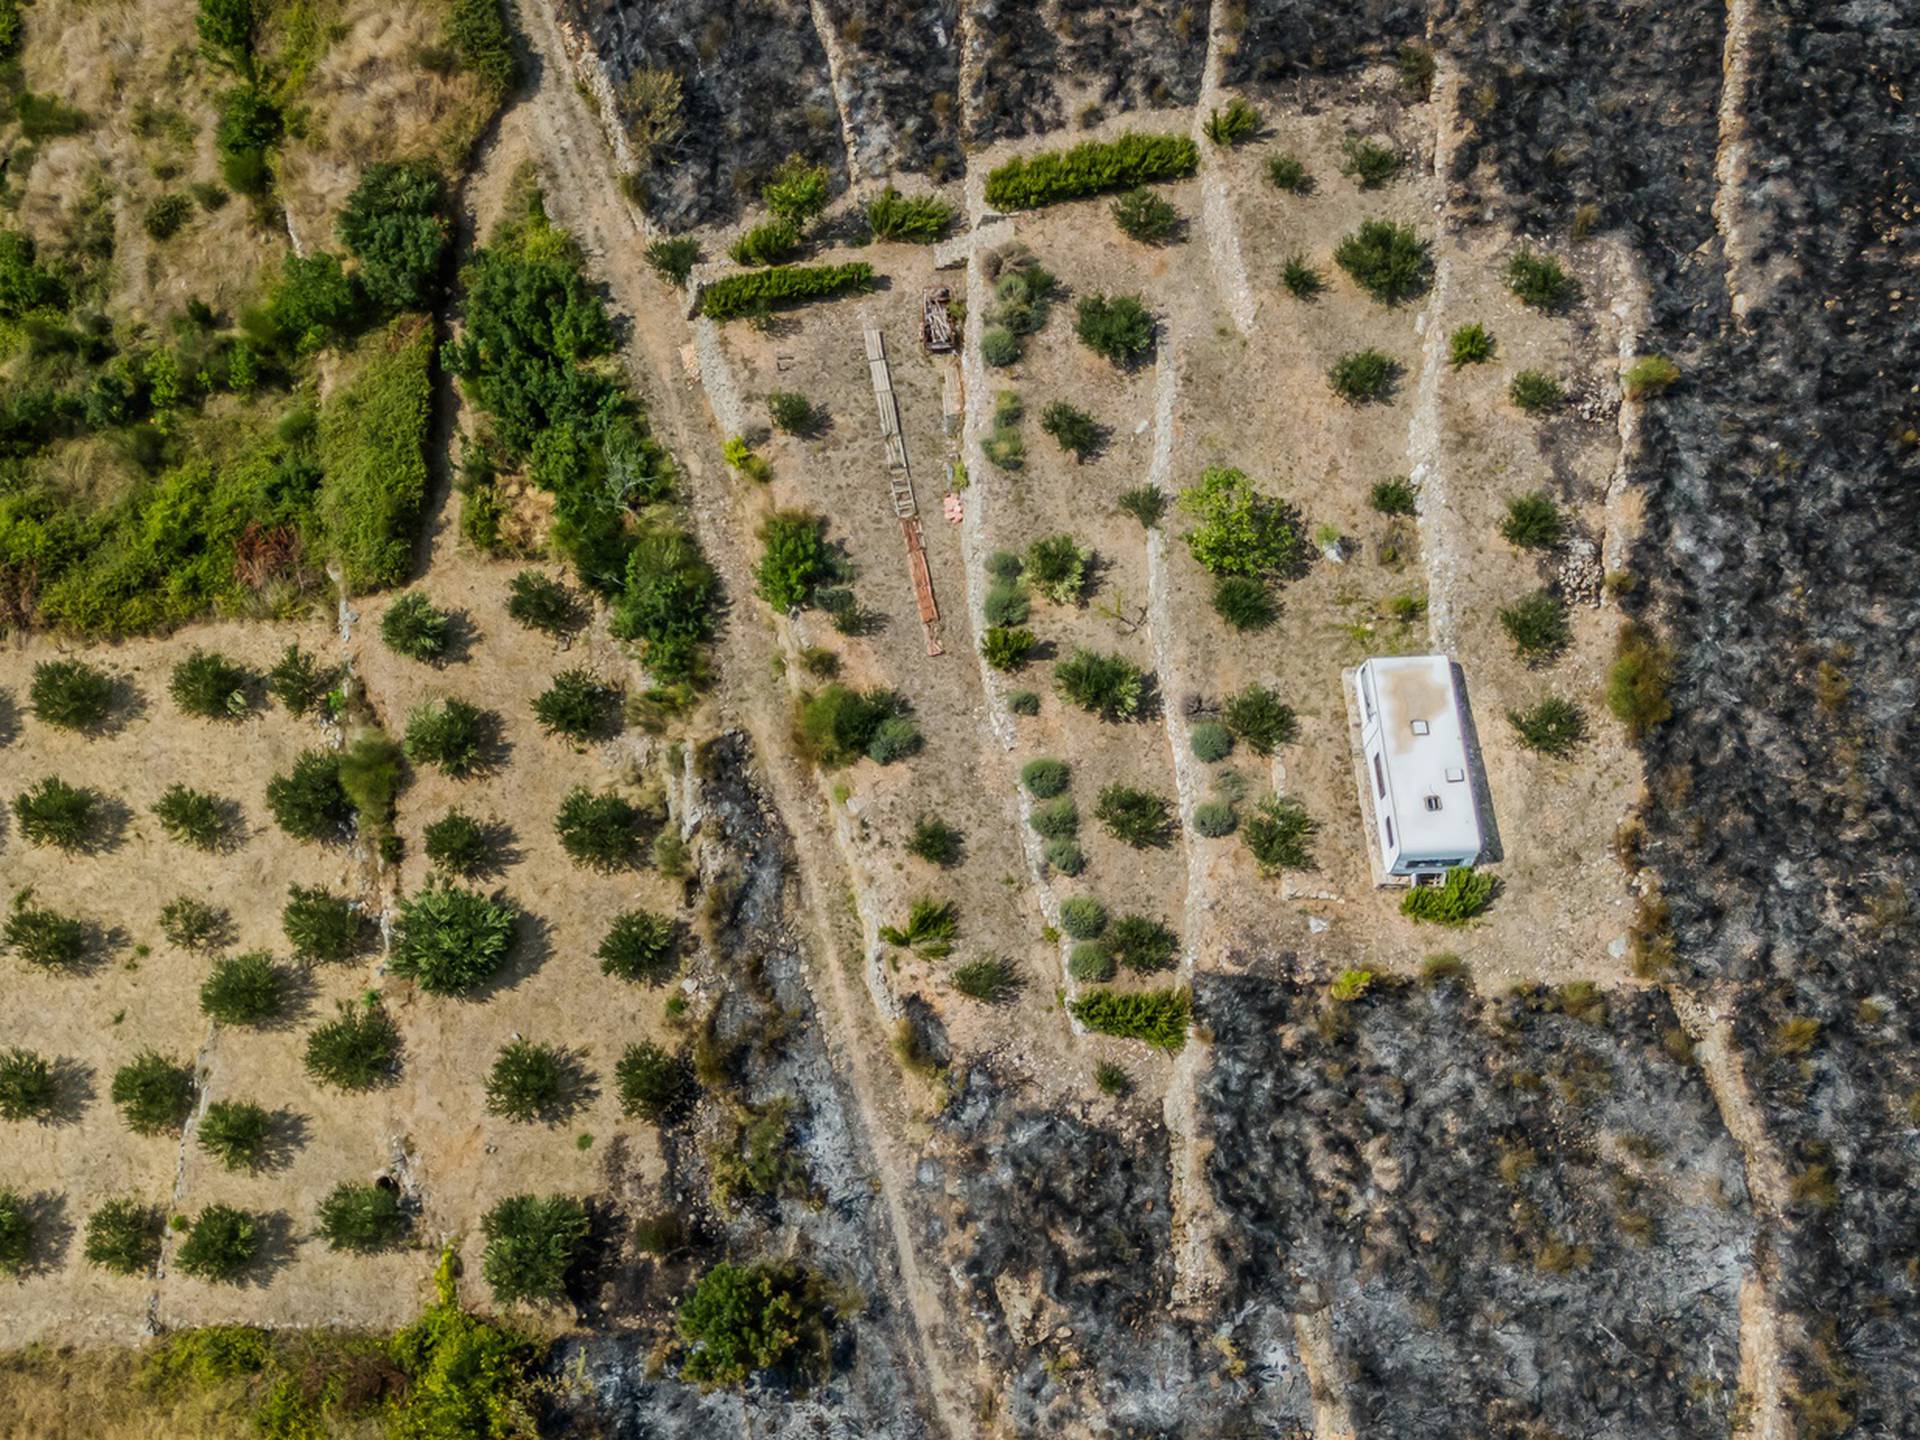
(603, 832)
(449, 734)
(68, 817)
(361, 1219)
(123, 1237)
(797, 191)
(838, 724)
(666, 604)
(308, 802)
(641, 946)
(155, 1094)
(1240, 531)
(314, 303)
(414, 628)
(192, 817)
(457, 844)
(70, 694)
(226, 32)
(1105, 685)
(794, 559)
(41, 936)
(359, 1049)
(1117, 328)
(1364, 377)
(29, 1088)
(579, 705)
(1056, 565)
(652, 1084)
(741, 1318)
(532, 1241)
(237, 1133)
(450, 939)
(222, 1243)
(245, 990)
(395, 223)
(323, 928)
(210, 686)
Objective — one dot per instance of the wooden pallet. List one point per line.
(900, 488)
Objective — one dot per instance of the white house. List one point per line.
(1413, 733)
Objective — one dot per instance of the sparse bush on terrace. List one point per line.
(652, 1084)
(673, 259)
(1137, 817)
(1260, 718)
(1289, 173)
(1117, 328)
(359, 1049)
(245, 990)
(29, 1088)
(457, 844)
(1082, 917)
(1109, 686)
(1210, 741)
(1638, 681)
(1072, 428)
(308, 802)
(1058, 819)
(1144, 216)
(1535, 393)
(1555, 726)
(19, 1231)
(602, 832)
(797, 191)
(298, 682)
(1141, 944)
(123, 1236)
(642, 947)
(1541, 281)
(932, 925)
(448, 734)
(1278, 834)
(41, 936)
(67, 817)
(1369, 162)
(1649, 375)
(1389, 261)
(1238, 122)
(1304, 280)
(936, 842)
(414, 628)
(532, 1082)
(1538, 626)
(1364, 377)
(1007, 649)
(767, 243)
(192, 817)
(1057, 567)
(1244, 602)
(237, 1133)
(794, 559)
(839, 725)
(1159, 1017)
(322, 928)
(1145, 503)
(918, 219)
(1533, 522)
(221, 1244)
(361, 1219)
(1464, 893)
(579, 705)
(1045, 778)
(1394, 496)
(1090, 168)
(990, 979)
(70, 694)
(1469, 345)
(540, 602)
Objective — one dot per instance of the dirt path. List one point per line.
(582, 197)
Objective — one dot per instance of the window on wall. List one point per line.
(1379, 776)
(1389, 832)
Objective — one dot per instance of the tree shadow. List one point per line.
(287, 1134)
(463, 636)
(129, 703)
(51, 1230)
(74, 1091)
(532, 948)
(273, 1249)
(9, 718)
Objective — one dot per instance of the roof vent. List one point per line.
(1433, 802)
(1420, 727)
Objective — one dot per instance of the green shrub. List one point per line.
(1089, 168)
(1648, 375)
(1538, 626)
(1394, 496)
(603, 832)
(1145, 217)
(450, 939)
(782, 285)
(1112, 1079)
(1244, 602)
(1215, 819)
(794, 559)
(221, 1244)
(29, 1089)
(192, 817)
(1007, 649)
(1364, 377)
(1289, 173)
(936, 842)
(652, 1084)
(838, 724)
(41, 936)
(1082, 917)
(666, 604)
(1535, 393)
(1462, 895)
(1159, 1017)
(370, 775)
(449, 735)
(932, 925)
(1142, 945)
(532, 1082)
(1533, 522)
(414, 628)
(540, 602)
(765, 244)
(579, 705)
(315, 303)
(1279, 835)
(395, 223)
(1045, 778)
(245, 990)
(1145, 503)
(1554, 726)
(1351, 985)
(1638, 681)
(1090, 962)
(1211, 741)
(155, 1095)
(1023, 702)
(673, 259)
(458, 845)
(1117, 328)
(321, 927)
(1390, 262)
(123, 1237)
(742, 1318)
(361, 1219)
(359, 1049)
(1136, 817)
(1258, 716)
(70, 694)
(297, 681)
(1240, 531)
(1005, 449)
(1304, 281)
(1105, 685)
(1056, 820)
(1469, 345)
(1057, 566)
(894, 738)
(797, 191)
(1238, 122)
(1369, 162)
(308, 801)
(642, 947)
(55, 813)
(46, 117)
(999, 346)
(792, 412)
(237, 1133)
(1417, 69)
(373, 456)
(1063, 853)
(991, 980)
(1540, 281)
(920, 220)
(1073, 429)
(18, 1231)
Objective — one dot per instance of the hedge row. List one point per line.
(373, 457)
(1159, 1017)
(739, 295)
(1089, 169)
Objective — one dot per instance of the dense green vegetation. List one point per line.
(1089, 168)
(759, 291)
(918, 219)
(1462, 895)
(1158, 1017)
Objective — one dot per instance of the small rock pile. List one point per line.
(1576, 572)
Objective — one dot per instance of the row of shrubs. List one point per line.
(757, 291)
(1090, 168)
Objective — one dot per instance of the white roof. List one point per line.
(1417, 731)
